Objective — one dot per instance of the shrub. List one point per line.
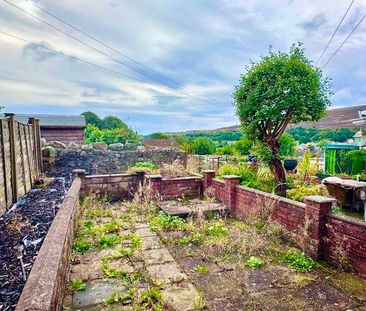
(147, 167)
(299, 261)
(203, 145)
(93, 134)
(299, 193)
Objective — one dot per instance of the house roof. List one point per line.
(50, 120)
(160, 143)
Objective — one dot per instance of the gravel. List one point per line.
(26, 224)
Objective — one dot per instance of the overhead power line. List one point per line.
(334, 33)
(103, 53)
(71, 56)
(107, 45)
(344, 41)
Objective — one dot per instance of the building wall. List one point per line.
(64, 135)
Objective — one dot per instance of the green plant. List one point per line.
(77, 285)
(147, 167)
(201, 269)
(254, 262)
(111, 227)
(299, 193)
(151, 298)
(203, 145)
(107, 241)
(216, 229)
(199, 303)
(299, 261)
(282, 88)
(194, 238)
(166, 222)
(99, 213)
(81, 245)
(113, 298)
(111, 272)
(88, 224)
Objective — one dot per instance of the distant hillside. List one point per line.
(336, 118)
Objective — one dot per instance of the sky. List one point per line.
(197, 50)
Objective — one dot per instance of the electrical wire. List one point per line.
(101, 52)
(344, 41)
(334, 33)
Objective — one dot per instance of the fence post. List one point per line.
(7, 203)
(316, 210)
(13, 169)
(38, 145)
(231, 181)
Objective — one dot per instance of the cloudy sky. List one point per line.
(197, 49)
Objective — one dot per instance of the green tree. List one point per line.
(243, 146)
(159, 136)
(92, 118)
(282, 88)
(112, 122)
(203, 145)
(288, 145)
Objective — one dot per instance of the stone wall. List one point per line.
(108, 161)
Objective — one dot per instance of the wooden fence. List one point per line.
(20, 159)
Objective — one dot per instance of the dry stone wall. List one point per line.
(109, 161)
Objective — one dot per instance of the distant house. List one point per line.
(160, 143)
(63, 128)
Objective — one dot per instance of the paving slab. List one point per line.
(151, 242)
(156, 256)
(96, 292)
(180, 296)
(166, 272)
(180, 209)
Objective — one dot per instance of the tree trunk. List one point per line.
(277, 168)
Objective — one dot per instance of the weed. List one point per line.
(111, 227)
(201, 269)
(99, 213)
(80, 245)
(77, 285)
(107, 241)
(166, 222)
(254, 262)
(195, 238)
(111, 272)
(113, 298)
(199, 303)
(216, 229)
(299, 261)
(151, 298)
(88, 224)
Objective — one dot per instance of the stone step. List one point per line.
(191, 208)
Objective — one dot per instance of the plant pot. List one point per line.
(290, 164)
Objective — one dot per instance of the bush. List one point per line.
(299, 193)
(93, 134)
(147, 167)
(203, 145)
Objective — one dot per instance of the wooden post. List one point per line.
(7, 203)
(13, 169)
(39, 147)
(26, 127)
(23, 160)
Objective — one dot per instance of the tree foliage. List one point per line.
(159, 135)
(281, 88)
(108, 123)
(312, 134)
(93, 134)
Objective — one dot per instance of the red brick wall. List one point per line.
(218, 187)
(65, 136)
(115, 186)
(173, 188)
(349, 234)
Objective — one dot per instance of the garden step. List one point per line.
(191, 208)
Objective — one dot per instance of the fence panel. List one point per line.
(20, 153)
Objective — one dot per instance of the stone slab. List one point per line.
(166, 272)
(96, 292)
(180, 296)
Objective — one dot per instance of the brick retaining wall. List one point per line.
(45, 286)
(335, 238)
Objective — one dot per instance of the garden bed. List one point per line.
(232, 264)
(26, 224)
